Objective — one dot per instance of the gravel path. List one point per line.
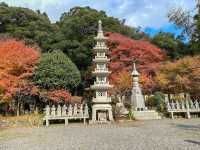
(148, 135)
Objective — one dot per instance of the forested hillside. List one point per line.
(73, 36)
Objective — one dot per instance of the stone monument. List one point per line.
(120, 109)
(101, 108)
(137, 99)
(140, 112)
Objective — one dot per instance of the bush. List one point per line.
(157, 101)
(57, 71)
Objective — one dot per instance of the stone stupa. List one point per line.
(140, 112)
(101, 103)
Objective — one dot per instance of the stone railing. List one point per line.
(66, 113)
(184, 106)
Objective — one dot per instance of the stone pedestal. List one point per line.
(101, 113)
(146, 115)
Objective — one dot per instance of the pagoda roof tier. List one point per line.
(101, 59)
(101, 38)
(101, 72)
(101, 86)
(101, 48)
(101, 100)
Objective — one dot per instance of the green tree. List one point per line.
(56, 71)
(195, 41)
(23, 23)
(157, 100)
(174, 46)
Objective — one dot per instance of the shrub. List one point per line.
(57, 71)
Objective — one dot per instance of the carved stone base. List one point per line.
(101, 113)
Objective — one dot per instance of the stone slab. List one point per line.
(146, 115)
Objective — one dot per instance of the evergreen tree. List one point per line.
(56, 71)
(195, 42)
(172, 45)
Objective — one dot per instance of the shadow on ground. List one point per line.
(188, 127)
(193, 142)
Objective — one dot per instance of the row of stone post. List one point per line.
(183, 105)
(69, 111)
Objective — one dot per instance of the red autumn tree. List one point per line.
(17, 62)
(59, 96)
(125, 50)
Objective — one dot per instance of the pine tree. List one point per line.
(195, 42)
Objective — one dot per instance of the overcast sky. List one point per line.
(148, 14)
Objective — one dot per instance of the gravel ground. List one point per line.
(142, 135)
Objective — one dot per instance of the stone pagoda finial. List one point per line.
(100, 31)
(100, 26)
(135, 72)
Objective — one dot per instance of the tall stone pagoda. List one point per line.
(101, 108)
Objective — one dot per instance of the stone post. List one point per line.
(70, 110)
(64, 108)
(59, 112)
(86, 113)
(53, 110)
(188, 109)
(75, 112)
(47, 110)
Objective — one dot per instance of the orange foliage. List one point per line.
(76, 99)
(17, 63)
(123, 83)
(180, 76)
(125, 50)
